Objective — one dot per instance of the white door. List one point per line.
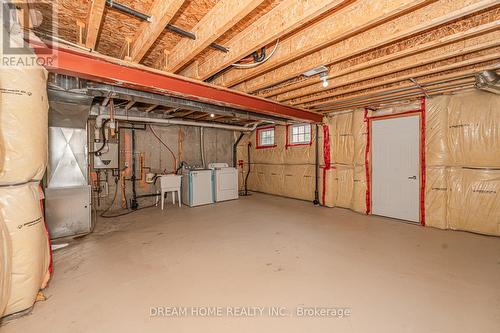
(395, 168)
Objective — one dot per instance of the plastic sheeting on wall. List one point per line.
(331, 122)
(359, 190)
(22, 215)
(5, 266)
(327, 188)
(436, 189)
(23, 124)
(474, 200)
(344, 139)
(281, 170)
(360, 132)
(474, 130)
(299, 182)
(343, 185)
(436, 116)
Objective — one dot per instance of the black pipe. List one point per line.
(104, 141)
(248, 173)
(181, 32)
(219, 47)
(128, 10)
(316, 191)
(190, 35)
(235, 148)
(133, 202)
(148, 195)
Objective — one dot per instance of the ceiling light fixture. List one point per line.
(324, 78)
(212, 115)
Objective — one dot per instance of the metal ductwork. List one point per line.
(488, 81)
(69, 104)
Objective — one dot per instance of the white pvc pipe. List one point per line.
(102, 117)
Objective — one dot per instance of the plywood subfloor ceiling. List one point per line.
(375, 52)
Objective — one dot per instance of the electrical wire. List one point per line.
(255, 64)
(113, 202)
(104, 141)
(127, 212)
(166, 146)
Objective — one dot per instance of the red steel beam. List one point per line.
(99, 68)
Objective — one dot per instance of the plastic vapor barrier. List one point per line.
(299, 182)
(5, 266)
(474, 130)
(474, 200)
(360, 132)
(359, 190)
(344, 139)
(281, 170)
(436, 190)
(462, 152)
(21, 213)
(343, 185)
(436, 129)
(23, 124)
(326, 187)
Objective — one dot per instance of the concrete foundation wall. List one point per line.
(184, 142)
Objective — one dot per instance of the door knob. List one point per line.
(413, 177)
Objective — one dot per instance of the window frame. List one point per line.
(258, 144)
(289, 135)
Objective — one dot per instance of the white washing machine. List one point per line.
(225, 181)
(197, 187)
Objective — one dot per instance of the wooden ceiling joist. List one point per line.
(294, 89)
(418, 21)
(161, 14)
(281, 20)
(362, 92)
(413, 96)
(94, 20)
(391, 88)
(410, 89)
(446, 51)
(218, 20)
(324, 98)
(352, 19)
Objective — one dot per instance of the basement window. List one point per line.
(299, 134)
(265, 137)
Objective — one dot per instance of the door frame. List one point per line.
(368, 154)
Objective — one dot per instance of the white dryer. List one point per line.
(225, 181)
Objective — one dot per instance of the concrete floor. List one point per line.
(265, 251)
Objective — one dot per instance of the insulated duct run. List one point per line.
(488, 81)
(101, 118)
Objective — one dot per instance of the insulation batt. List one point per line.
(280, 170)
(359, 190)
(23, 124)
(474, 200)
(22, 215)
(360, 133)
(474, 130)
(330, 195)
(344, 139)
(436, 129)
(343, 185)
(436, 194)
(5, 266)
(299, 182)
